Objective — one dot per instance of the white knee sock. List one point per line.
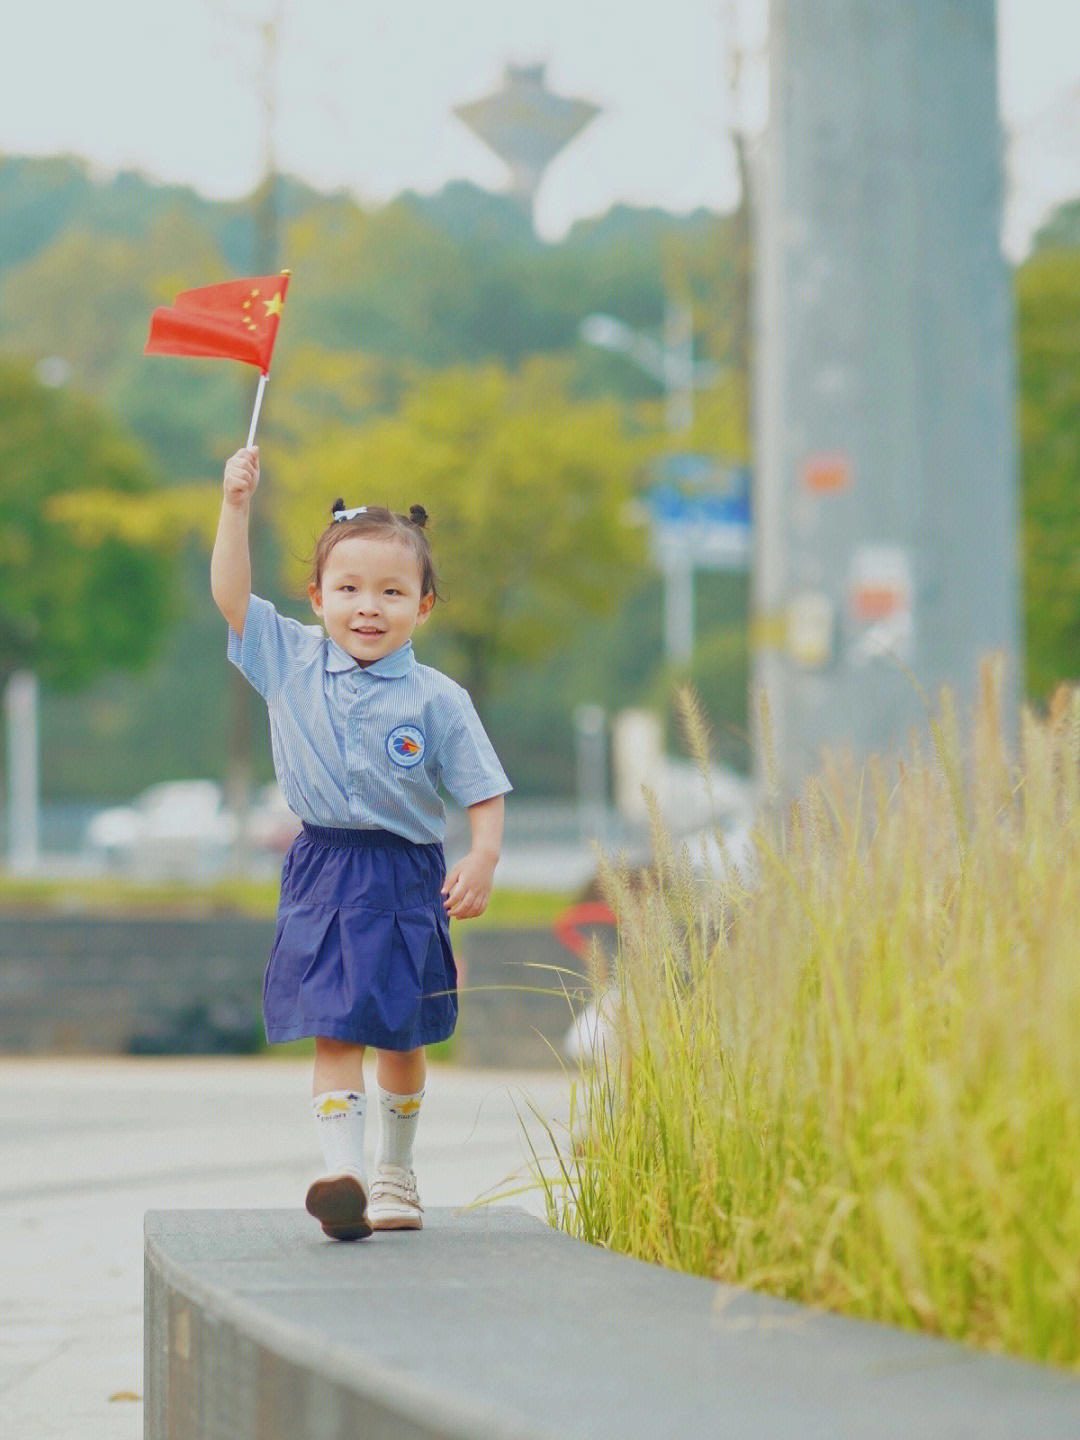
(399, 1116)
(339, 1123)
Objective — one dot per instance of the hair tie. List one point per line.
(348, 514)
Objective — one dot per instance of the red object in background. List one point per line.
(877, 602)
(589, 912)
(235, 321)
(827, 474)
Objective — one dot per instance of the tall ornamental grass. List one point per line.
(852, 1077)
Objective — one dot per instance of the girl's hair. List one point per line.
(377, 522)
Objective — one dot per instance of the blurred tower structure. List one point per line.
(886, 536)
(526, 126)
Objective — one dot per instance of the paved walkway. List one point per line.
(87, 1146)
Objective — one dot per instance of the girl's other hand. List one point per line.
(468, 886)
(241, 476)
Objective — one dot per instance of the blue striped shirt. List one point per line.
(363, 747)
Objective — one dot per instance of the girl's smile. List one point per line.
(369, 597)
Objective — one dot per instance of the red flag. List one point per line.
(234, 321)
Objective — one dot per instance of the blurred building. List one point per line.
(526, 126)
(886, 535)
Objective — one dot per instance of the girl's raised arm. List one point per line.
(230, 564)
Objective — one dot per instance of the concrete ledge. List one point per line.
(487, 1325)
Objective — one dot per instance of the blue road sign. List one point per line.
(700, 513)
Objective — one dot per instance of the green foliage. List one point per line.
(1062, 230)
(168, 720)
(42, 199)
(458, 277)
(70, 603)
(1048, 325)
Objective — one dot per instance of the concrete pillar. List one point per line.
(886, 483)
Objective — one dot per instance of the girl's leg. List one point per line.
(402, 1072)
(338, 1199)
(339, 1104)
(338, 1066)
(400, 1075)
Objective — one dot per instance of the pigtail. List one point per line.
(418, 515)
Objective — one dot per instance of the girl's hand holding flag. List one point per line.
(241, 476)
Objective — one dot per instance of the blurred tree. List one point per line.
(449, 279)
(385, 281)
(73, 600)
(313, 388)
(1062, 230)
(40, 198)
(87, 298)
(1048, 329)
(528, 494)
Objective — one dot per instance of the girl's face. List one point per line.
(369, 596)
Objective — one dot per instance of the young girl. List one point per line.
(361, 736)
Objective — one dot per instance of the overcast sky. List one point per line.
(365, 91)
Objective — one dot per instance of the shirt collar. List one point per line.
(390, 667)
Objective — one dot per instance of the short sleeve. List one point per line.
(469, 767)
(271, 647)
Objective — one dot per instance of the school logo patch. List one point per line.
(405, 746)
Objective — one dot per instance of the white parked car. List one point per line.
(182, 829)
(176, 830)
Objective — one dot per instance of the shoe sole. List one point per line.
(339, 1203)
(403, 1222)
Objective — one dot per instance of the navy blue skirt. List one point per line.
(362, 950)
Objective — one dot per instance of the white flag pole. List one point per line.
(265, 375)
(258, 406)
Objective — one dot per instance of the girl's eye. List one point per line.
(393, 592)
(348, 587)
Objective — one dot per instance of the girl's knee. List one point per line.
(339, 1051)
(401, 1057)
(401, 1068)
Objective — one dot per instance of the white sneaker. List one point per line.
(395, 1205)
(340, 1204)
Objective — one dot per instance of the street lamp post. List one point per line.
(672, 364)
(21, 707)
(590, 757)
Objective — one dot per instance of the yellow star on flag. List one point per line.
(274, 306)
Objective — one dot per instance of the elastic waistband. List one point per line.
(359, 839)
